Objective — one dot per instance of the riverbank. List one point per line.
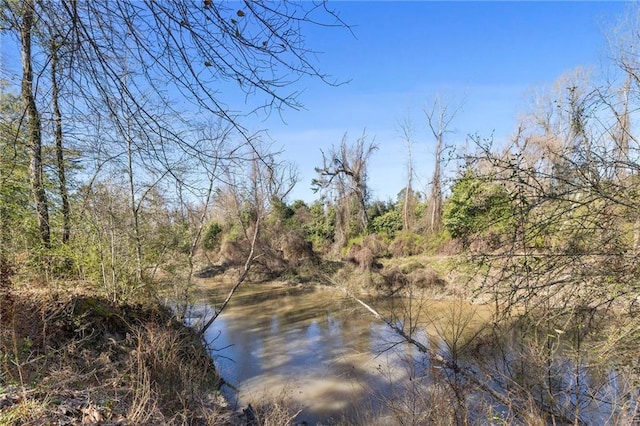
(71, 357)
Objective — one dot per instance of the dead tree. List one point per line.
(344, 175)
(439, 117)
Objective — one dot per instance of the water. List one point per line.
(326, 355)
(316, 347)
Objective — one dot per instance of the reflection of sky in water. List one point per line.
(324, 354)
(329, 354)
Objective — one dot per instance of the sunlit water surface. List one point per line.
(327, 356)
(315, 347)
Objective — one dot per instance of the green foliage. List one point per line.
(357, 240)
(477, 205)
(321, 226)
(421, 210)
(379, 208)
(298, 205)
(387, 224)
(212, 236)
(16, 226)
(436, 242)
(280, 209)
(248, 215)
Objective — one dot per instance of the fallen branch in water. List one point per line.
(441, 361)
(241, 278)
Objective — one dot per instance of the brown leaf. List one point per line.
(91, 415)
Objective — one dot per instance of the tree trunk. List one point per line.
(361, 194)
(439, 118)
(436, 190)
(34, 125)
(623, 135)
(64, 195)
(407, 202)
(407, 205)
(135, 220)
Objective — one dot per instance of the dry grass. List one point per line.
(295, 249)
(80, 359)
(276, 411)
(407, 244)
(232, 253)
(426, 278)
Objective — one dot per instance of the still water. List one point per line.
(324, 354)
(314, 347)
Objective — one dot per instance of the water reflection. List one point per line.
(316, 345)
(331, 358)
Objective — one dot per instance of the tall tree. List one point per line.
(60, 160)
(408, 198)
(344, 174)
(27, 28)
(144, 74)
(439, 117)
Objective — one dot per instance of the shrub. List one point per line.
(211, 237)
(394, 281)
(233, 252)
(320, 228)
(407, 244)
(426, 278)
(376, 244)
(387, 224)
(295, 248)
(361, 256)
(477, 204)
(280, 210)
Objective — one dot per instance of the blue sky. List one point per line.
(490, 55)
(401, 55)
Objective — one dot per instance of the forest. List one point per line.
(114, 204)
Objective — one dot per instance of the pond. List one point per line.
(314, 347)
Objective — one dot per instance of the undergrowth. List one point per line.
(81, 359)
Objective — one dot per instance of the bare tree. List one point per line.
(439, 117)
(266, 179)
(623, 42)
(344, 173)
(576, 210)
(407, 129)
(205, 52)
(622, 132)
(60, 160)
(147, 56)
